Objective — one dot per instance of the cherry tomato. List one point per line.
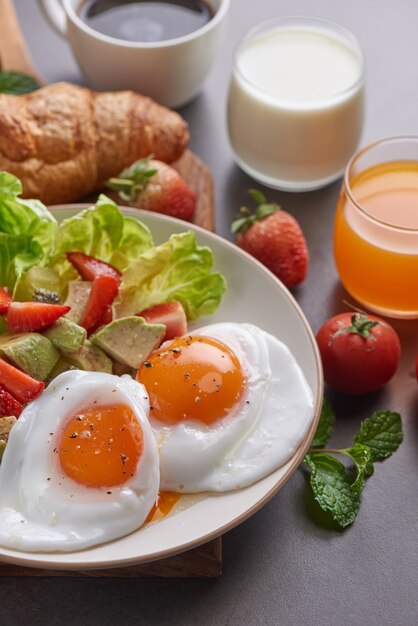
(360, 353)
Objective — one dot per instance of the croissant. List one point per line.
(65, 141)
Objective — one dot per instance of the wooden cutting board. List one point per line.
(205, 560)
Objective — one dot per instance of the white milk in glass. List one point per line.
(296, 100)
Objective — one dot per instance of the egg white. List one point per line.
(43, 510)
(261, 433)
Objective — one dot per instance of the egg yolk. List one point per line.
(192, 378)
(164, 504)
(101, 446)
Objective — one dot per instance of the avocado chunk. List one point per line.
(78, 294)
(66, 335)
(31, 352)
(60, 366)
(40, 284)
(6, 425)
(129, 340)
(90, 358)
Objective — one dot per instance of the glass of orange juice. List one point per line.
(376, 227)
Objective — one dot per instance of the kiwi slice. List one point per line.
(39, 284)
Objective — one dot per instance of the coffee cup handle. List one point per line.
(55, 14)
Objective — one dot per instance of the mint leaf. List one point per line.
(16, 83)
(382, 433)
(325, 425)
(332, 488)
(362, 457)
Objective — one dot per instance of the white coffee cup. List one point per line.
(171, 72)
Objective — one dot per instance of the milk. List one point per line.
(295, 109)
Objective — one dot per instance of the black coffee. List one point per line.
(139, 20)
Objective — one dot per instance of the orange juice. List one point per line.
(376, 238)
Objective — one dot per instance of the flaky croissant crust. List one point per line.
(65, 141)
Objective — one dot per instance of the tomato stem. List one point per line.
(360, 325)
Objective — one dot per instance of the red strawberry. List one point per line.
(106, 318)
(89, 267)
(23, 317)
(8, 405)
(21, 386)
(155, 186)
(275, 238)
(5, 300)
(103, 292)
(171, 314)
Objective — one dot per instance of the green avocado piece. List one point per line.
(6, 425)
(129, 340)
(40, 284)
(78, 294)
(90, 358)
(66, 335)
(60, 366)
(31, 352)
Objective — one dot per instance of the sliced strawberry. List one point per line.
(23, 317)
(105, 319)
(22, 387)
(89, 267)
(8, 404)
(103, 291)
(171, 314)
(5, 300)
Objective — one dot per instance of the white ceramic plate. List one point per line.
(254, 295)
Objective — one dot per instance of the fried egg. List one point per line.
(228, 405)
(81, 465)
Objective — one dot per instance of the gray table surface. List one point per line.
(280, 567)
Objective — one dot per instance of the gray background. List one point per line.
(280, 566)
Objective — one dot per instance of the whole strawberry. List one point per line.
(155, 186)
(275, 238)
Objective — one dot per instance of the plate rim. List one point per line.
(24, 558)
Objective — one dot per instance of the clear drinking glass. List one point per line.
(296, 102)
(376, 227)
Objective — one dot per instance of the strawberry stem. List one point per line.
(246, 219)
(132, 180)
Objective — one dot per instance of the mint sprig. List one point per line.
(16, 83)
(332, 484)
(325, 426)
(332, 488)
(382, 434)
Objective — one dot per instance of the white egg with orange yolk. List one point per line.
(80, 467)
(229, 405)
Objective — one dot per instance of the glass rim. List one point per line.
(326, 25)
(347, 187)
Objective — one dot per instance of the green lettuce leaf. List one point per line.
(27, 231)
(177, 270)
(101, 231)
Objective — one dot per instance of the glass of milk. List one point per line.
(296, 102)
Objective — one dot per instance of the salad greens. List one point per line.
(101, 231)
(333, 487)
(27, 231)
(176, 270)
